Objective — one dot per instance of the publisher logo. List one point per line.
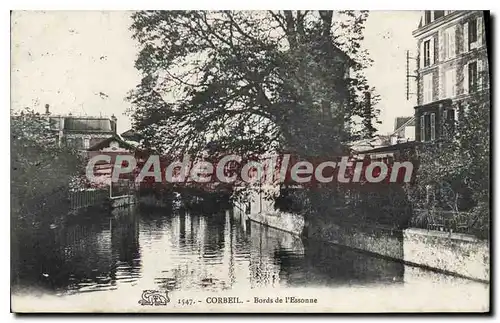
(154, 298)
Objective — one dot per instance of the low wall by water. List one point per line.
(288, 222)
(460, 254)
(376, 239)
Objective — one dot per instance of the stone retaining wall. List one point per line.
(379, 240)
(456, 253)
(287, 222)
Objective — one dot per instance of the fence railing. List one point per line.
(87, 197)
(440, 220)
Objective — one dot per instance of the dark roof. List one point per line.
(439, 103)
(396, 147)
(129, 132)
(105, 143)
(87, 124)
(401, 121)
(131, 135)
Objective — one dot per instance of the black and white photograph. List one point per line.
(250, 161)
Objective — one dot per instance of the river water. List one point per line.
(132, 250)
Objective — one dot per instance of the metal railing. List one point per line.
(87, 197)
(440, 220)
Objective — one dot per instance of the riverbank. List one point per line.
(284, 221)
(222, 255)
(459, 254)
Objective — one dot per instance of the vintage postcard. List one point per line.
(250, 161)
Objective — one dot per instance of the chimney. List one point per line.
(113, 123)
(47, 111)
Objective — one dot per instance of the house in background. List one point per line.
(452, 65)
(121, 191)
(377, 141)
(80, 132)
(404, 130)
(113, 143)
(131, 137)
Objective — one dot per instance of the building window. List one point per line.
(473, 78)
(433, 126)
(427, 127)
(472, 31)
(427, 88)
(450, 82)
(427, 17)
(472, 73)
(482, 74)
(448, 121)
(427, 53)
(448, 116)
(438, 14)
(449, 43)
(471, 34)
(86, 143)
(451, 115)
(422, 128)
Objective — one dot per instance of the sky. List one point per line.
(83, 62)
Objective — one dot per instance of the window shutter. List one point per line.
(430, 87)
(440, 46)
(427, 93)
(422, 128)
(480, 39)
(466, 37)
(454, 82)
(446, 51)
(431, 50)
(422, 54)
(452, 40)
(449, 84)
(433, 126)
(424, 89)
(486, 74)
(442, 84)
(466, 79)
(480, 75)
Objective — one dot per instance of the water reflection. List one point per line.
(188, 251)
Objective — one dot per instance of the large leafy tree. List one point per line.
(249, 81)
(40, 178)
(41, 169)
(455, 171)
